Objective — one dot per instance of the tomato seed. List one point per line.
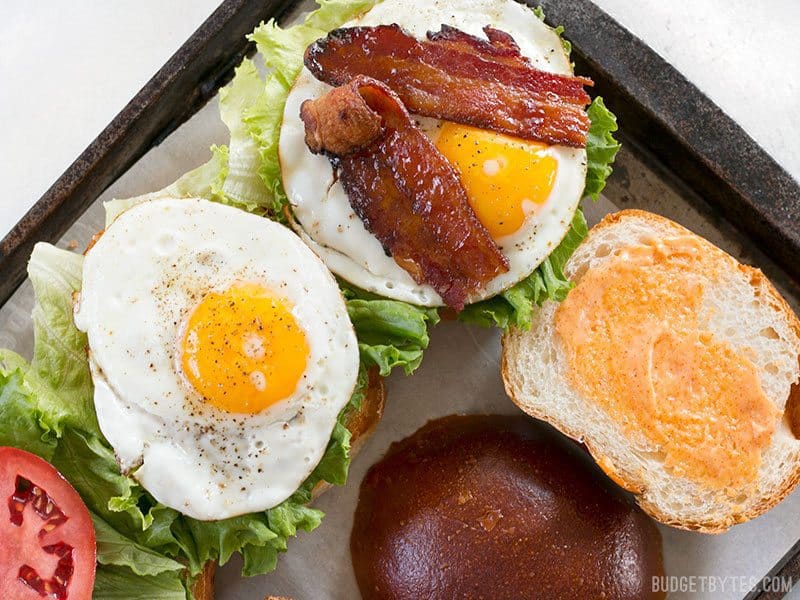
(25, 493)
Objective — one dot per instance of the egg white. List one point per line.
(140, 282)
(322, 213)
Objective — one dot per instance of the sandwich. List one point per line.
(198, 381)
(437, 155)
(675, 365)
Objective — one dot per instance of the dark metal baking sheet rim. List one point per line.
(663, 114)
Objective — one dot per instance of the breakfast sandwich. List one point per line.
(675, 365)
(240, 360)
(437, 154)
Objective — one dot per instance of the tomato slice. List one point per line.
(47, 543)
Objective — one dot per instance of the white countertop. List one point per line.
(68, 68)
(744, 55)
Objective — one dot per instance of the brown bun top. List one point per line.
(498, 507)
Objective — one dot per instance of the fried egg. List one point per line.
(525, 193)
(221, 353)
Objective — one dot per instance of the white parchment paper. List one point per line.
(460, 374)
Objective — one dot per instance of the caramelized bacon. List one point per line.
(408, 195)
(458, 77)
(501, 47)
(340, 123)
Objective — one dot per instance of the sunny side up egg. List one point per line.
(221, 353)
(525, 193)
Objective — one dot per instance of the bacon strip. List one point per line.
(407, 194)
(458, 77)
(341, 123)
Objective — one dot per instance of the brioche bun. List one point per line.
(498, 507)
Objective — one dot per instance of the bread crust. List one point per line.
(624, 478)
(361, 425)
(203, 588)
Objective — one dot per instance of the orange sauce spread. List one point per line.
(638, 345)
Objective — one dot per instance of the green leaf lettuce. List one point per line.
(515, 306)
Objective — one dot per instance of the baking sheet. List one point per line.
(460, 374)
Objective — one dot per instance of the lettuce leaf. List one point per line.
(205, 181)
(23, 424)
(119, 583)
(59, 354)
(515, 306)
(231, 175)
(390, 333)
(113, 548)
(87, 462)
(242, 185)
(601, 147)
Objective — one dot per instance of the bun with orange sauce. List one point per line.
(675, 365)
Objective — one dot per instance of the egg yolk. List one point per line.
(243, 350)
(506, 178)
